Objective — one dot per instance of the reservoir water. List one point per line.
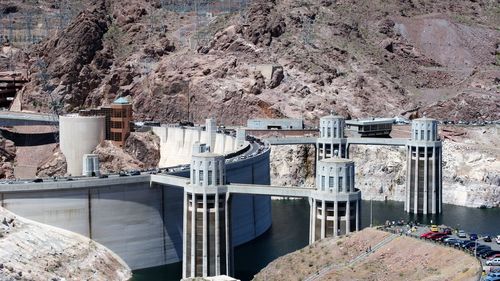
(290, 231)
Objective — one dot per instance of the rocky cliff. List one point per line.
(33, 251)
(361, 58)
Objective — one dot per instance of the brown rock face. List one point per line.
(54, 166)
(7, 155)
(363, 59)
(113, 159)
(68, 65)
(144, 147)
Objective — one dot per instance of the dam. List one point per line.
(137, 218)
(212, 193)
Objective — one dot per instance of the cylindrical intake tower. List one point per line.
(424, 168)
(206, 244)
(331, 139)
(79, 135)
(336, 203)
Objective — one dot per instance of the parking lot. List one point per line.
(417, 231)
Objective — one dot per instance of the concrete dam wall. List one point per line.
(138, 220)
(176, 144)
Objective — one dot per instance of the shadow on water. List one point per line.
(290, 232)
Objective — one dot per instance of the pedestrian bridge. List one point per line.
(12, 118)
(360, 141)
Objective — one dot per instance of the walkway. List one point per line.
(325, 270)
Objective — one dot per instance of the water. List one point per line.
(290, 231)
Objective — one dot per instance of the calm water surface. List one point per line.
(290, 231)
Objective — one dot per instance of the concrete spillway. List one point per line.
(176, 144)
(139, 220)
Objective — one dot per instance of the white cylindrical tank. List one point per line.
(79, 135)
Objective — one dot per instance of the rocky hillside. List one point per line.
(403, 258)
(33, 251)
(359, 57)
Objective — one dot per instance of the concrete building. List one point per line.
(280, 124)
(79, 135)
(373, 127)
(91, 165)
(121, 121)
(336, 203)
(424, 168)
(206, 246)
(118, 120)
(331, 139)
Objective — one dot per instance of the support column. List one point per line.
(433, 195)
(440, 178)
(311, 221)
(348, 217)
(323, 218)
(415, 204)
(315, 214)
(335, 218)
(426, 179)
(205, 235)
(408, 179)
(357, 215)
(184, 234)
(229, 250)
(193, 236)
(217, 233)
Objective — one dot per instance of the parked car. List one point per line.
(103, 176)
(478, 248)
(487, 238)
(481, 251)
(451, 241)
(497, 239)
(135, 173)
(460, 242)
(495, 262)
(122, 174)
(473, 236)
(425, 235)
(466, 245)
(447, 230)
(491, 254)
(434, 228)
(38, 180)
(461, 234)
(437, 236)
(493, 276)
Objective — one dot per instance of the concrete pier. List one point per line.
(331, 138)
(335, 202)
(206, 243)
(423, 161)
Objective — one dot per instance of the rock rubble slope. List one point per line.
(403, 258)
(33, 251)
